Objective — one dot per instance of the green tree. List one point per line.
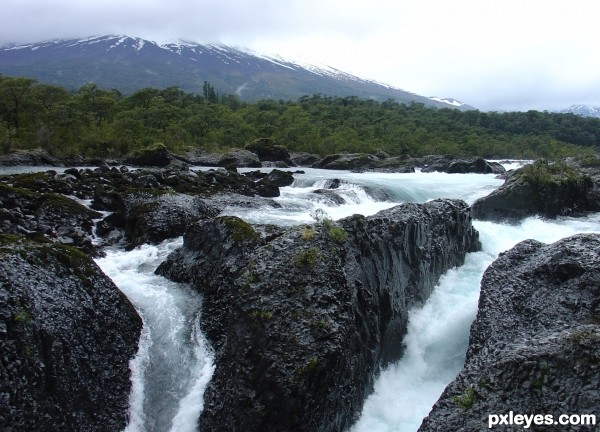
(13, 94)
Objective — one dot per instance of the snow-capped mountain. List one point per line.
(583, 110)
(128, 64)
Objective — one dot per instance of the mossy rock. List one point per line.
(14, 192)
(542, 173)
(241, 232)
(60, 210)
(37, 182)
(45, 253)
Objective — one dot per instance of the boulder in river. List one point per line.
(155, 156)
(459, 165)
(542, 188)
(268, 150)
(240, 159)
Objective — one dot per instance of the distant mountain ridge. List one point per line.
(129, 63)
(583, 110)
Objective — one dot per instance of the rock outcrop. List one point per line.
(544, 189)
(35, 157)
(459, 165)
(239, 159)
(269, 151)
(302, 318)
(49, 215)
(156, 156)
(151, 218)
(349, 161)
(66, 337)
(304, 159)
(534, 347)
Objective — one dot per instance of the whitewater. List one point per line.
(175, 362)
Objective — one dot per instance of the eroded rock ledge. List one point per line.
(535, 344)
(302, 318)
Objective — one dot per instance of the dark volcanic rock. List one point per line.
(456, 165)
(279, 178)
(399, 164)
(304, 159)
(332, 183)
(405, 164)
(66, 337)
(148, 205)
(302, 320)
(35, 157)
(240, 159)
(157, 156)
(267, 150)
(329, 196)
(535, 344)
(349, 161)
(544, 189)
(149, 216)
(197, 156)
(50, 215)
(152, 218)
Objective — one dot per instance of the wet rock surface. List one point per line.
(534, 346)
(302, 318)
(46, 214)
(66, 337)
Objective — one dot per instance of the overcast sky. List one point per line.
(492, 54)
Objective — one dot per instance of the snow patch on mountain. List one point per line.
(583, 110)
(448, 101)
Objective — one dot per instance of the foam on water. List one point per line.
(174, 361)
(363, 193)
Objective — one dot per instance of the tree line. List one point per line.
(95, 122)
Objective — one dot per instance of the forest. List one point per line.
(105, 123)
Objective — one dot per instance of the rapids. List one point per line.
(175, 362)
